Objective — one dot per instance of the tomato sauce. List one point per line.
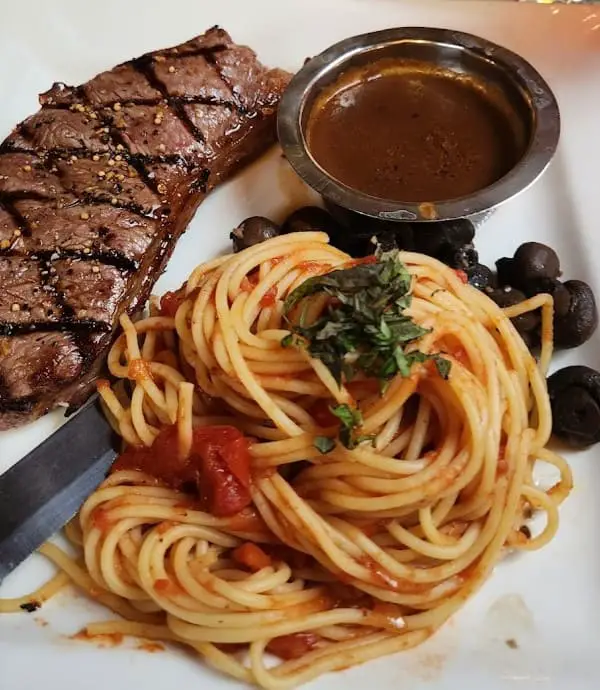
(218, 466)
(170, 303)
(252, 557)
(294, 646)
(269, 298)
(379, 576)
(167, 588)
(502, 466)
(100, 519)
(371, 259)
(248, 521)
(462, 275)
(312, 266)
(454, 348)
(347, 597)
(151, 647)
(297, 560)
(139, 370)
(362, 389)
(322, 415)
(104, 640)
(249, 282)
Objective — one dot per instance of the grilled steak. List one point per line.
(95, 189)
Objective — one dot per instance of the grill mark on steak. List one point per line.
(144, 66)
(92, 244)
(117, 236)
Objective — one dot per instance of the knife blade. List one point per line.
(43, 490)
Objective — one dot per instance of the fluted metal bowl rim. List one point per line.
(545, 132)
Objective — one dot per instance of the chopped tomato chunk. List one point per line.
(372, 259)
(249, 282)
(462, 275)
(161, 585)
(251, 556)
(322, 415)
(311, 266)
(294, 646)
(269, 298)
(218, 465)
(101, 520)
(170, 303)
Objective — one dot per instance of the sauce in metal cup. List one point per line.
(418, 124)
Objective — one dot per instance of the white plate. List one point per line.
(547, 601)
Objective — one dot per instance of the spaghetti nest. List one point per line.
(348, 550)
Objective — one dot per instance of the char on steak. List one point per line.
(95, 189)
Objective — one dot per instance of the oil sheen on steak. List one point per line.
(95, 189)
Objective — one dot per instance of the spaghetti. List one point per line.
(324, 555)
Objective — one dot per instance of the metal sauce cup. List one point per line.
(522, 89)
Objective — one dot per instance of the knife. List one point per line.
(42, 492)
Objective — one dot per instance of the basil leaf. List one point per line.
(324, 444)
(366, 317)
(443, 366)
(350, 417)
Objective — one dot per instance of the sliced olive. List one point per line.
(481, 277)
(252, 231)
(577, 325)
(508, 297)
(308, 219)
(575, 401)
(534, 260)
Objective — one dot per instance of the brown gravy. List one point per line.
(411, 133)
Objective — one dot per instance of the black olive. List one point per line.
(508, 297)
(580, 321)
(462, 258)
(534, 260)
(505, 271)
(575, 400)
(551, 286)
(405, 236)
(481, 277)
(526, 323)
(442, 240)
(458, 232)
(562, 300)
(540, 285)
(430, 239)
(530, 338)
(308, 219)
(251, 231)
(347, 230)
